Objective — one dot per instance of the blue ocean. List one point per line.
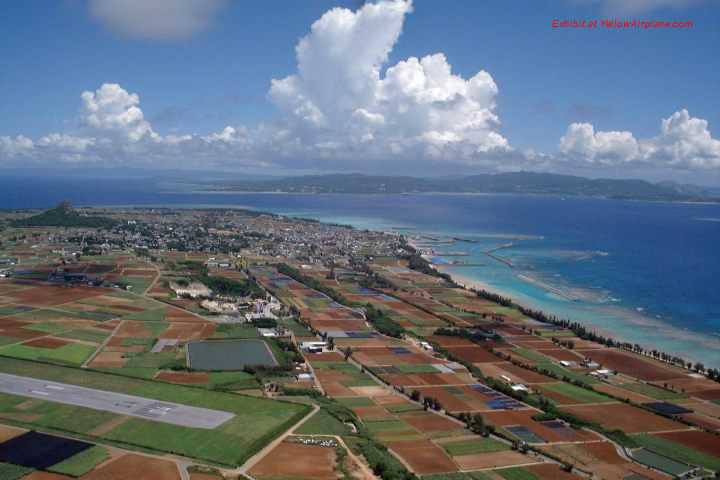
(645, 272)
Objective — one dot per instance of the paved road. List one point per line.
(145, 408)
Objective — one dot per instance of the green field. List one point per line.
(459, 476)
(231, 330)
(581, 395)
(517, 473)
(83, 462)
(356, 402)
(677, 451)
(256, 420)
(73, 354)
(653, 392)
(322, 423)
(86, 334)
(561, 372)
(9, 471)
(660, 462)
(388, 426)
(531, 355)
(416, 368)
(468, 447)
(232, 380)
(403, 407)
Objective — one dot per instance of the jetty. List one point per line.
(491, 253)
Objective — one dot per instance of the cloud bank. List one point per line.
(684, 142)
(346, 106)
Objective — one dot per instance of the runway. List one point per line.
(145, 408)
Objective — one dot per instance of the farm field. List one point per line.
(624, 417)
(256, 421)
(402, 403)
(293, 459)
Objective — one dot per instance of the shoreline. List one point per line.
(472, 284)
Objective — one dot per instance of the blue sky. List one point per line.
(219, 75)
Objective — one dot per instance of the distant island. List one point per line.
(517, 182)
(64, 215)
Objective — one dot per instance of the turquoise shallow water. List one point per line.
(644, 272)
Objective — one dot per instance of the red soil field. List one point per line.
(430, 422)
(448, 341)
(550, 472)
(696, 439)
(473, 354)
(692, 384)
(384, 355)
(335, 389)
(491, 460)
(327, 375)
(136, 467)
(423, 456)
(132, 328)
(708, 394)
(189, 331)
(505, 418)
(47, 342)
(604, 451)
(621, 393)
(561, 354)
(558, 398)
(177, 315)
(631, 364)
(187, 378)
(421, 379)
(449, 401)
(295, 460)
(702, 421)
(625, 417)
(706, 408)
(107, 359)
(324, 357)
(7, 432)
(43, 296)
(12, 327)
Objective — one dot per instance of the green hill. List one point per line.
(64, 216)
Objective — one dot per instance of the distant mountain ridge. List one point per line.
(516, 182)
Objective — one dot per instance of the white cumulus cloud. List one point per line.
(11, 147)
(112, 109)
(683, 142)
(338, 100)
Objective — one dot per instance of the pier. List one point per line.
(491, 253)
